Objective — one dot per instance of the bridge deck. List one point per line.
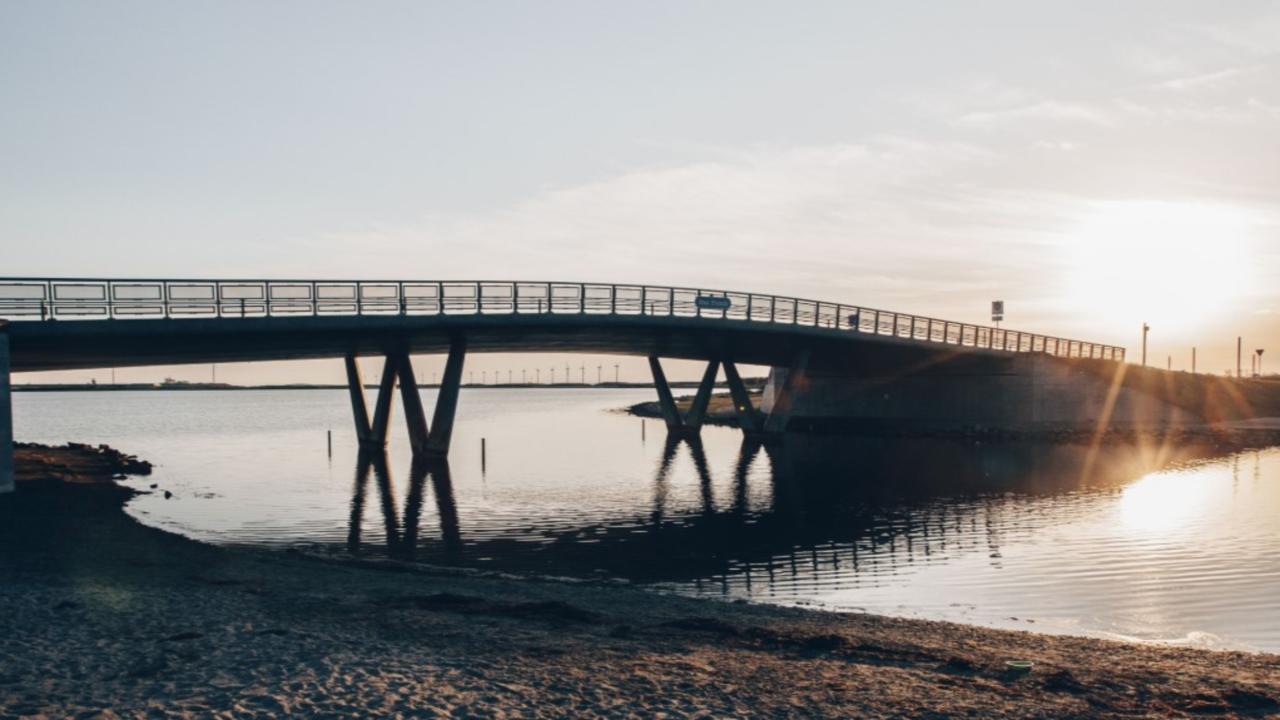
(87, 323)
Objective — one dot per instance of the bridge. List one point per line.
(81, 323)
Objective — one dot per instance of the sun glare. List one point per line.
(1167, 502)
(1177, 264)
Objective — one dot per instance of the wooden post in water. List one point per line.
(483, 454)
(329, 435)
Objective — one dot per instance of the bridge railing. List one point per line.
(89, 299)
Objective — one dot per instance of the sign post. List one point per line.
(997, 311)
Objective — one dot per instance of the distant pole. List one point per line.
(113, 376)
(1145, 329)
(1193, 361)
(330, 436)
(1260, 350)
(582, 374)
(1169, 363)
(553, 375)
(598, 369)
(615, 373)
(213, 373)
(538, 375)
(1239, 356)
(471, 377)
(483, 455)
(524, 376)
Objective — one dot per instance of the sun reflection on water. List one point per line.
(1164, 502)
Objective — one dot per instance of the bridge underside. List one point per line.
(817, 371)
(68, 345)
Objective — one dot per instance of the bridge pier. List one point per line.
(447, 400)
(690, 423)
(748, 417)
(359, 411)
(6, 414)
(796, 380)
(426, 440)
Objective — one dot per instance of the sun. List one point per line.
(1176, 264)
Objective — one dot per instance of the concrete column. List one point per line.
(781, 411)
(382, 406)
(698, 411)
(414, 417)
(748, 418)
(355, 385)
(447, 401)
(670, 413)
(6, 414)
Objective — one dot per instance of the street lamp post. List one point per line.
(1145, 329)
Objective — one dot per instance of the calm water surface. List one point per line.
(1136, 542)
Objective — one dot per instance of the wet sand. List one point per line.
(104, 617)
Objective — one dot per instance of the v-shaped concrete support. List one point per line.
(748, 416)
(430, 440)
(359, 410)
(691, 422)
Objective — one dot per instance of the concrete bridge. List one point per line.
(880, 364)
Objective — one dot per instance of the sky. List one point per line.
(1096, 165)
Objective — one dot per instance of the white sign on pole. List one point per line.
(997, 310)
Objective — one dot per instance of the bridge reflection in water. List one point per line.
(811, 511)
(402, 531)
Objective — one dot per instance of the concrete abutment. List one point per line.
(1019, 392)
(6, 414)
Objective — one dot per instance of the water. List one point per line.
(1148, 543)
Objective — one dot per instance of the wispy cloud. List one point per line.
(1056, 111)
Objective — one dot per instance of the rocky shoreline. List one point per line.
(108, 618)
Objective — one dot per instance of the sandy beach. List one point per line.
(107, 618)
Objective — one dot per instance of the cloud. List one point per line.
(1044, 110)
(1203, 80)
